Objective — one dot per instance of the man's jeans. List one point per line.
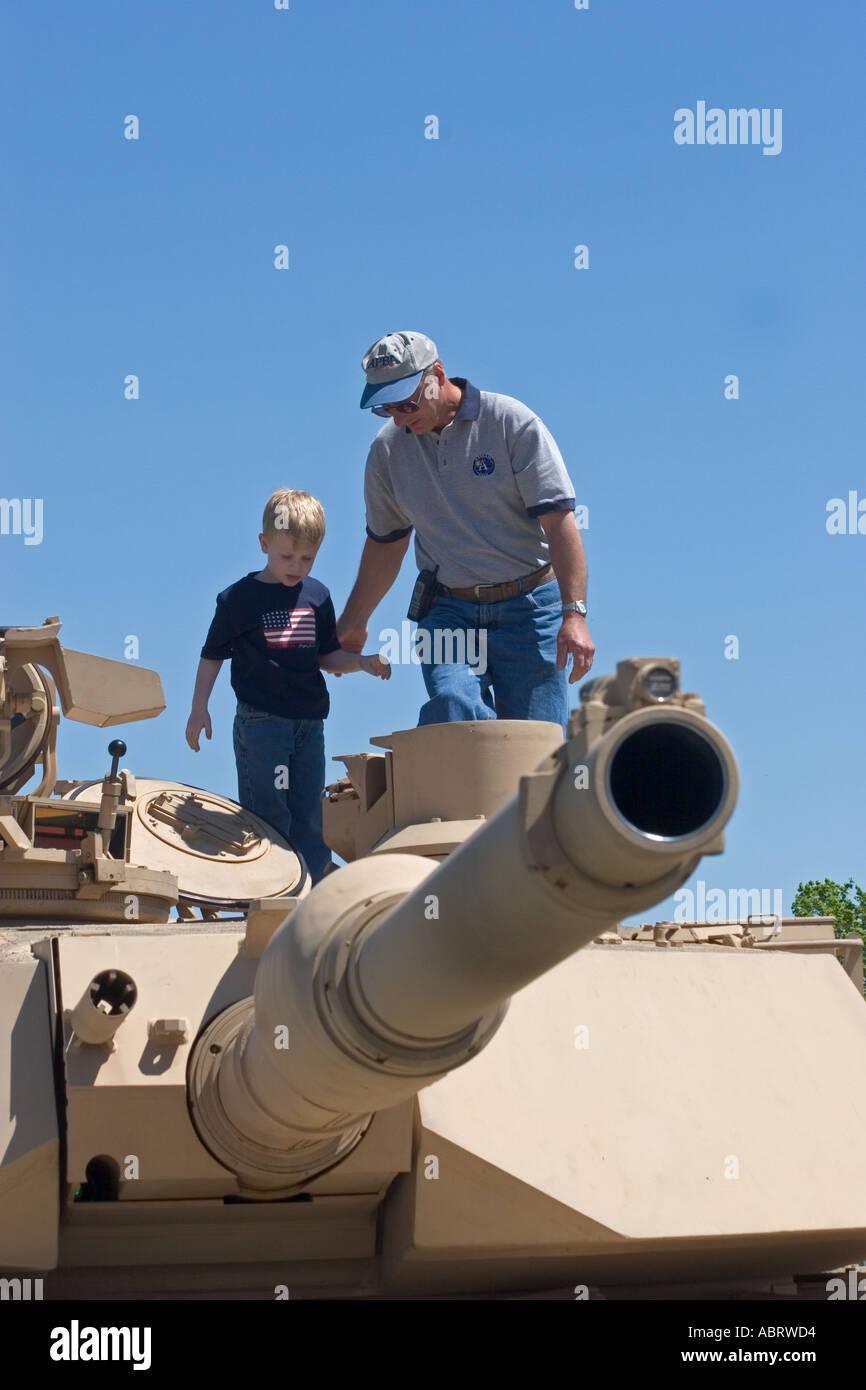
(265, 744)
(521, 659)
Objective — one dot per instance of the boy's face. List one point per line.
(290, 558)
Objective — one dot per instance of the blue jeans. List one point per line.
(270, 752)
(521, 680)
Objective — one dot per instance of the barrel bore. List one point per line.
(666, 780)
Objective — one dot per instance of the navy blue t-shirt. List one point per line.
(274, 634)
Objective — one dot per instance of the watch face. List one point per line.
(659, 682)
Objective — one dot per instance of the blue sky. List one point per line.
(306, 127)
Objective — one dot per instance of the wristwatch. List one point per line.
(578, 606)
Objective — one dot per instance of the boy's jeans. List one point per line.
(521, 660)
(265, 745)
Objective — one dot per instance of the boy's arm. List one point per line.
(333, 657)
(224, 628)
(342, 662)
(199, 718)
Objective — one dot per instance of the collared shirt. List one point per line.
(274, 634)
(472, 492)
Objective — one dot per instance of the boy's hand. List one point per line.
(198, 720)
(376, 666)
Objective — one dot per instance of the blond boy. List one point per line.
(278, 627)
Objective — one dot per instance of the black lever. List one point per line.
(116, 748)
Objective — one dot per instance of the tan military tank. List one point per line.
(447, 1070)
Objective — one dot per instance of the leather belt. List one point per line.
(497, 593)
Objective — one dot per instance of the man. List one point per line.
(483, 484)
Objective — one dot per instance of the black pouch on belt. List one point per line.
(426, 589)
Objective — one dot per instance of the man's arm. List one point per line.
(569, 566)
(380, 565)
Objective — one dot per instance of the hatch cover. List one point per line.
(221, 854)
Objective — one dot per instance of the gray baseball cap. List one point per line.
(394, 365)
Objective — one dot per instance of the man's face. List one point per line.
(290, 558)
(424, 417)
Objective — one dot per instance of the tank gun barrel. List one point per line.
(587, 841)
(395, 970)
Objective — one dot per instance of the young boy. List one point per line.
(279, 628)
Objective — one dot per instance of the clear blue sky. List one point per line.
(306, 127)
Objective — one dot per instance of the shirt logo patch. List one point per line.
(482, 465)
(295, 628)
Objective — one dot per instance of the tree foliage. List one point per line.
(824, 898)
(844, 901)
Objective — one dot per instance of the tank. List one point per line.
(447, 1070)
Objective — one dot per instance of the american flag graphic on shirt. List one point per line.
(294, 627)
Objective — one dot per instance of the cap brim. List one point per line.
(390, 391)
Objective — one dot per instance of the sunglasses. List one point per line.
(402, 407)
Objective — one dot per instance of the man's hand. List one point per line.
(569, 566)
(199, 719)
(574, 640)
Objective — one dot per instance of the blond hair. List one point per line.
(297, 514)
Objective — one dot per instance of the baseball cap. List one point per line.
(394, 365)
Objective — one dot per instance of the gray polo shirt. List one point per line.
(473, 492)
